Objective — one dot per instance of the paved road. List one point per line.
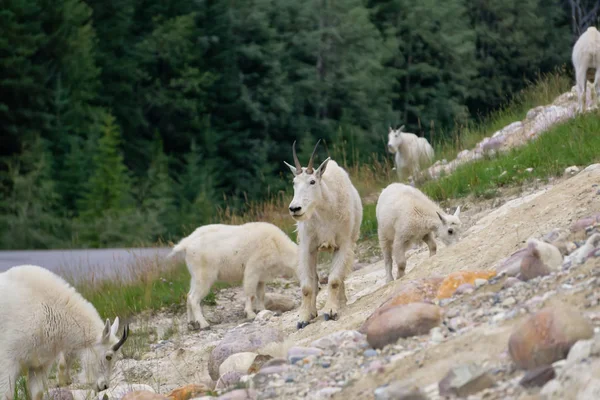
(87, 263)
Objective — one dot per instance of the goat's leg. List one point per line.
(430, 242)
(9, 373)
(251, 282)
(342, 261)
(307, 274)
(581, 77)
(400, 255)
(199, 289)
(36, 382)
(260, 296)
(597, 85)
(386, 249)
(64, 369)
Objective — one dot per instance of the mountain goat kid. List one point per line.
(586, 55)
(43, 316)
(412, 152)
(254, 253)
(406, 216)
(328, 213)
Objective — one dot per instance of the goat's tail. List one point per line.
(182, 245)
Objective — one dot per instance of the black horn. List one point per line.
(296, 161)
(123, 338)
(309, 167)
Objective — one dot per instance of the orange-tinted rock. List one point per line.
(143, 395)
(189, 392)
(402, 321)
(455, 279)
(418, 290)
(547, 336)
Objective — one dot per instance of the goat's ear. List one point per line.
(401, 129)
(390, 130)
(457, 212)
(441, 218)
(321, 169)
(106, 332)
(115, 327)
(292, 168)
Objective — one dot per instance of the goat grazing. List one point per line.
(412, 153)
(254, 253)
(406, 216)
(43, 316)
(328, 213)
(586, 55)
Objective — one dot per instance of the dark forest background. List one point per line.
(126, 121)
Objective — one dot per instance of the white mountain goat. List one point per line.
(328, 211)
(406, 216)
(43, 316)
(412, 153)
(586, 55)
(253, 253)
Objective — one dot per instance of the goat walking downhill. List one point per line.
(412, 153)
(43, 316)
(586, 55)
(254, 253)
(328, 213)
(406, 216)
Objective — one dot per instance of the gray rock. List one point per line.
(298, 353)
(399, 390)
(538, 376)
(244, 338)
(58, 394)
(240, 394)
(465, 380)
(229, 379)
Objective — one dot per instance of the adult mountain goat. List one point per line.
(253, 253)
(586, 55)
(328, 212)
(406, 216)
(412, 153)
(43, 316)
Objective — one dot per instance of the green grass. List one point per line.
(154, 288)
(574, 142)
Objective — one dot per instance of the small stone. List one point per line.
(480, 282)
(402, 321)
(279, 303)
(510, 282)
(509, 301)
(552, 388)
(465, 380)
(264, 316)
(572, 170)
(289, 378)
(240, 394)
(62, 394)
(547, 336)
(274, 369)
(189, 391)
(436, 335)
(327, 392)
(375, 366)
(399, 390)
(529, 169)
(298, 353)
(538, 377)
(325, 364)
(457, 323)
(370, 353)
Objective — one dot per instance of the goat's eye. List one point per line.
(108, 357)
(450, 231)
(312, 182)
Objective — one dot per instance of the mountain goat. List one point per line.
(254, 253)
(328, 213)
(586, 55)
(406, 216)
(412, 152)
(43, 316)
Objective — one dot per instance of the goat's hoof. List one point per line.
(302, 324)
(330, 316)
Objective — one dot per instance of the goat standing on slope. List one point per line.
(412, 153)
(43, 316)
(406, 216)
(586, 55)
(254, 253)
(328, 213)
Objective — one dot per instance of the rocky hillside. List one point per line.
(495, 316)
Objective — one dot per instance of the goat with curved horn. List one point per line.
(121, 341)
(309, 167)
